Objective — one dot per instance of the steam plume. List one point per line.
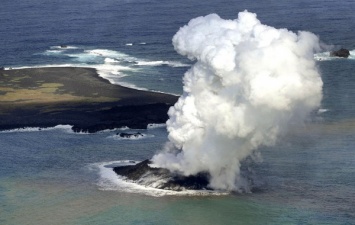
(249, 81)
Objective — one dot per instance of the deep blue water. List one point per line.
(52, 177)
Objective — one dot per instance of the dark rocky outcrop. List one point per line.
(162, 178)
(343, 53)
(130, 135)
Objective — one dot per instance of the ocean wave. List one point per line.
(110, 64)
(106, 53)
(109, 60)
(162, 63)
(320, 111)
(64, 47)
(52, 52)
(130, 136)
(46, 66)
(66, 128)
(155, 125)
(110, 181)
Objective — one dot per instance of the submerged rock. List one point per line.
(343, 53)
(161, 178)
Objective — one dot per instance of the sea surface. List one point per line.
(55, 176)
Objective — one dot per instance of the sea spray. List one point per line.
(248, 83)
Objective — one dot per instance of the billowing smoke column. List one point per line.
(248, 83)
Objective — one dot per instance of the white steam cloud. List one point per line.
(248, 83)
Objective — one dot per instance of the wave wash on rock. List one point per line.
(249, 81)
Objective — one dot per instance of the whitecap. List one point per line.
(320, 111)
(64, 47)
(52, 52)
(109, 60)
(111, 54)
(66, 128)
(155, 125)
(109, 64)
(162, 63)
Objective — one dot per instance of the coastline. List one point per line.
(46, 97)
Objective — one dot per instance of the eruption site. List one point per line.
(249, 82)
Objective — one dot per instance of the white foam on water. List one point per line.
(111, 54)
(109, 60)
(114, 73)
(47, 66)
(85, 58)
(323, 56)
(320, 111)
(129, 44)
(109, 64)
(155, 125)
(352, 54)
(64, 47)
(161, 63)
(110, 181)
(66, 128)
(53, 52)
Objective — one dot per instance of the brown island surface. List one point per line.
(46, 97)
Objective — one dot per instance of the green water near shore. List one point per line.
(301, 181)
(50, 203)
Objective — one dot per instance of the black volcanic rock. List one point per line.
(161, 178)
(130, 135)
(343, 53)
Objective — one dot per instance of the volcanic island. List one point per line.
(46, 97)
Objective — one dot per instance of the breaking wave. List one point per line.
(110, 64)
(66, 128)
(155, 125)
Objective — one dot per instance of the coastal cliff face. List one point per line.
(45, 97)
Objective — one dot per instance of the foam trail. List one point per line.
(249, 81)
(67, 128)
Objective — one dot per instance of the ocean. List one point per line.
(55, 176)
